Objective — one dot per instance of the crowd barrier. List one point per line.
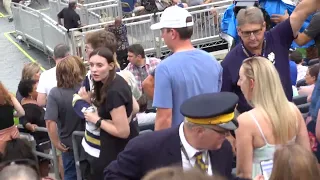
(37, 29)
(41, 31)
(52, 156)
(206, 30)
(90, 12)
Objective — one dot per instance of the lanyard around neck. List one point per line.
(206, 162)
(263, 49)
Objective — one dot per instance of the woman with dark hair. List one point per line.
(113, 98)
(310, 78)
(8, 103)
(34, 117)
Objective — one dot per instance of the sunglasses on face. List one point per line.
(249, 33)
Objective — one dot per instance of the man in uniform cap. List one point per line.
(199, 141)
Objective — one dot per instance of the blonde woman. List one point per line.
(30, 71)
(293, 162)
(273, 120)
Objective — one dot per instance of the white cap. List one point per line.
(173, 17)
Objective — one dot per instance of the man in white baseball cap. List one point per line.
(187, 72)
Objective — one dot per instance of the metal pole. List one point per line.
(52, 157)
(76, 152)
(119, 8)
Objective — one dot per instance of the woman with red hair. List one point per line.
(8, 103)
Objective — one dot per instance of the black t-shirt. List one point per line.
(118, 94)
(70, 18)
(34, 114)
(6, 116)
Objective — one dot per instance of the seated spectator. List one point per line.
(297, 58)
(311, 79)
(34, 117)
(133, 7)
(163, 4)
(293, 162)
(179, 3)
(149, 6)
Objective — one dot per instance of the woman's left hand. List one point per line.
(92, 117)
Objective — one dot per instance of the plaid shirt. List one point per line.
(141, 73)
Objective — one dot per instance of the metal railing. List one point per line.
(52, 156)
(90, 12)
(41, 31)
(37, 29)
(76, 152)
(206, 29)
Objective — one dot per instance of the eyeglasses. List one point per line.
(249, 33)
(26, 162)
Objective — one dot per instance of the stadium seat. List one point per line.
(301, 82)
(313, 62)
(301, 99)
(304, 108)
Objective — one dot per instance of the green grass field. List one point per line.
(16, 121)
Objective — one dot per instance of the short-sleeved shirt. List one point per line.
(118, 94)
(47, 81)
(70, 18)
(59, 109)
(141, 73)
(313, 30)
(278, 41)
(183, 75)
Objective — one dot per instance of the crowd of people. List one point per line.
(207, 117)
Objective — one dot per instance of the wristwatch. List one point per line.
(98, 123)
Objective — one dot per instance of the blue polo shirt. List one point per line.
(278, 42)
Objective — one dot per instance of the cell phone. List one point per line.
(266, 168)
(63, 145)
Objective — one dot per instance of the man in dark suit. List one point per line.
(200, 141)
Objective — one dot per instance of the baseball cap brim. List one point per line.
(156, 26)
(231, 125)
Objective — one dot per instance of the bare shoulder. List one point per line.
(244, 118)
